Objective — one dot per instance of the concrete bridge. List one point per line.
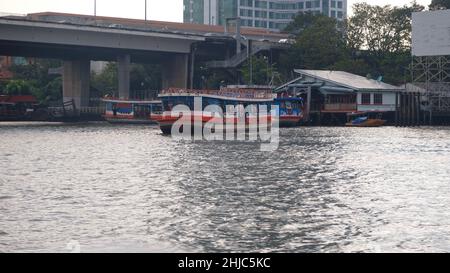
(78, 39)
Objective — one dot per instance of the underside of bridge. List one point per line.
(76, 46)
(76, 65)
(83, 40)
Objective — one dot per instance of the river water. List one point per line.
(103, 188)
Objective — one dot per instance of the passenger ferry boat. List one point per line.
(291, 111)
(223, 98)
(131, 111)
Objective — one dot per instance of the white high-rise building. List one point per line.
(269, 14)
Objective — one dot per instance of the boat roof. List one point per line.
(346, 79)
(289, 98)
(341, 79)
(112, 100)
(234, 94)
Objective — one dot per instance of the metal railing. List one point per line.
(98, 110)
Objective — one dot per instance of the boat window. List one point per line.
(141, 110)
(114, 108)
(211, 101)
(288, 105)
(156, 108)
(167, 104)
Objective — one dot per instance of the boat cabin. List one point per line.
(131, 111)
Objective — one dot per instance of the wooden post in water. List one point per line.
(418, 109)
(308, 105)
(402, 109)
(413, 109)
(431, 116)
(396, 109)
(408, 110)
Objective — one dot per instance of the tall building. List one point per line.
(270, 14)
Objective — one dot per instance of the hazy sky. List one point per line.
(165, 10)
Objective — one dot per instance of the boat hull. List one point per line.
(368, 123)
(129, 121)
(217, 125)
(290, 121)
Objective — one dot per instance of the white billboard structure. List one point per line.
(431, 58)
(431, 33)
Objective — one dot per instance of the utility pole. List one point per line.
(95, 8)
(145, 10)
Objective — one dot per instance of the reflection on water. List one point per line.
(131, 189)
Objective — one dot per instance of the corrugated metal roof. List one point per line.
(348, 80)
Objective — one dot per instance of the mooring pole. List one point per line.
(308, 104)
(396, 109)
(401, 109)
(431, 116)
(413, 109)
(418, 109)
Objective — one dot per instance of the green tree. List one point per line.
(301, 22)
(34, 79)
(439, 4)
(142, 77)
(105, 82)
(51, 92)
(263, 73)
(319, 43)
(145, 77)
(380, 29)
(18, 87)
(381, 38)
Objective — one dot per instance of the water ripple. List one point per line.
(131, 189)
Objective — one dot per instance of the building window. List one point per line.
(261, 4)
(378, 99)
(365, 98)
(340, 14)
(333, 4)
(333, 13)
(247, 3)
(261, 24)
(246, 12)
(308, 4)
(260, 14)
(339, 4)
(248, 23)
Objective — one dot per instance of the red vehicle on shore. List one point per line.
(17, 107)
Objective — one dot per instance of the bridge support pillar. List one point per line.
(123, 75)
(175, 72)
(76, 77)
